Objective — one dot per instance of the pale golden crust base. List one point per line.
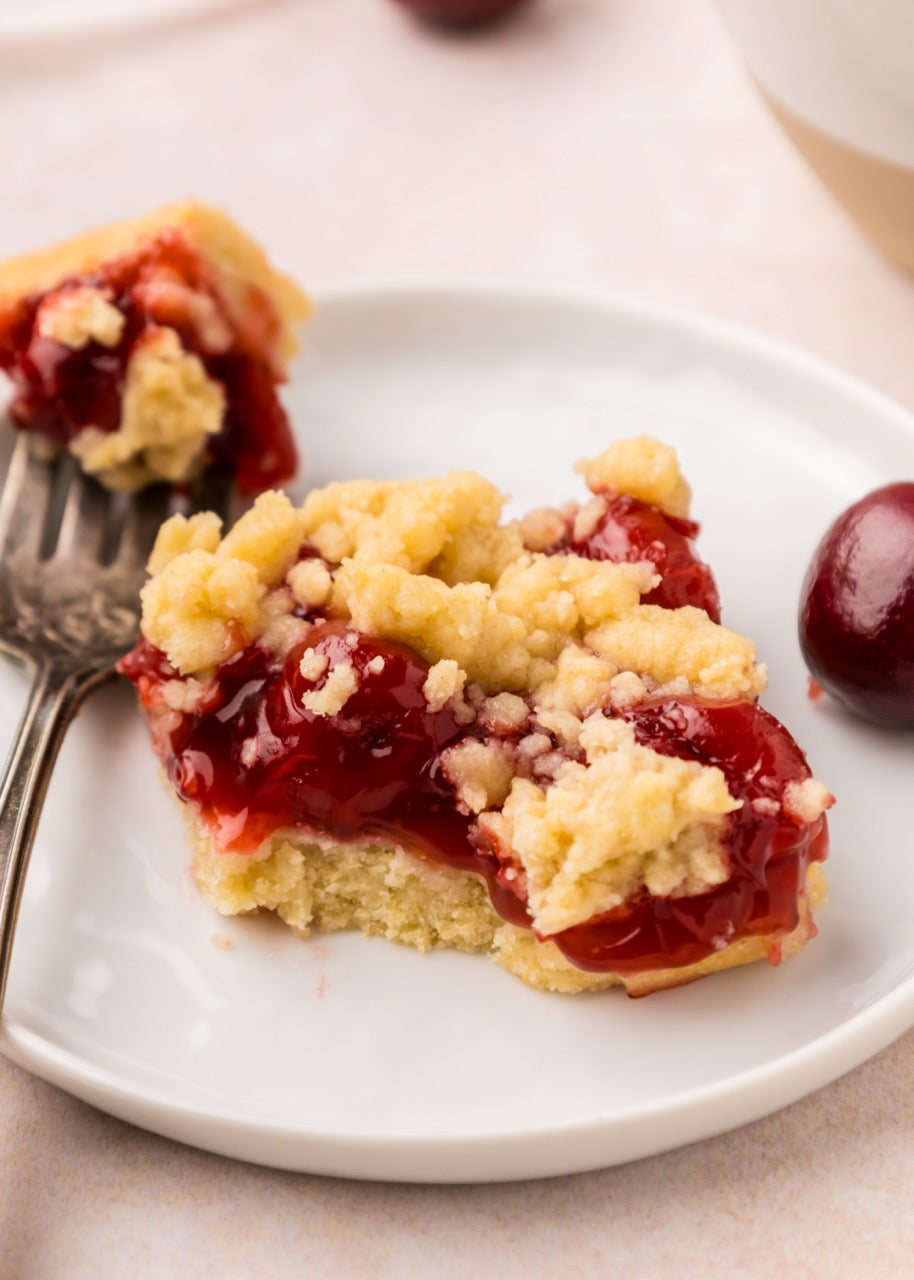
(321, 885)
(237, 260)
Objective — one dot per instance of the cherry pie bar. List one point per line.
(150, 349)
(390, 710)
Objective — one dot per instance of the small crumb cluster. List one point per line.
(170, 406)
(170, 409)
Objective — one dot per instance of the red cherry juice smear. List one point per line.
(58, 391)
(769, 855)
(632, 530)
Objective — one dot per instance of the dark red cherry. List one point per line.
(857, 608)
(460, 13)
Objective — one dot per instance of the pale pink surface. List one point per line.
(615, 146)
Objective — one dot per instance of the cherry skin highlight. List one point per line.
(856, 619)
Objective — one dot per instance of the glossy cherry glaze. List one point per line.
(857, 608)
(373, 770)
(59, 391)
(769, 852)
(631, 530)
(255, 760)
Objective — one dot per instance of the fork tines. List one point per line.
(50, 509)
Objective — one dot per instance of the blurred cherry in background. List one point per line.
(461, 13)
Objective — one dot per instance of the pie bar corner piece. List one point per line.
(390, 710)
(152, 348)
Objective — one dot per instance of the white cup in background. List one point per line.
(839, 77)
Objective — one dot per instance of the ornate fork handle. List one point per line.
(56, 693)
(72, 563)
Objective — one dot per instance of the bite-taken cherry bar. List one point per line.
(153, 348)
(388, 710)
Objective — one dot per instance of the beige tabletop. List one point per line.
(612, 144)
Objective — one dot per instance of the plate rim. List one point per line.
(668, 315)
(740, 1100)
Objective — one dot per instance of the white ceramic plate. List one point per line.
(361, 1058)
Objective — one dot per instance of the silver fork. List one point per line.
(72, 560)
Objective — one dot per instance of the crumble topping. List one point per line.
(207, 599)
(341, 683)
(268, 536)
(313, 664)
(542, 528)
(505, 637)
(187, 696)
(571, 631)
(588, 518)
(577, 684)
(179, 534)
(504, 713)
(626, 690)
(480, 772)
(644, 468)
(201, 610)
(282, 628)
(406, 523)
(625, 818)
(807, 800)
(310, 583)
(443, 683)
(445, 527)
(75, 317)
(677, 644)
(170, 408)
(563, 725)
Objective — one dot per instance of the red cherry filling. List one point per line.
(256, 759)
(769, 851)
(58, 391)
(631, 530)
